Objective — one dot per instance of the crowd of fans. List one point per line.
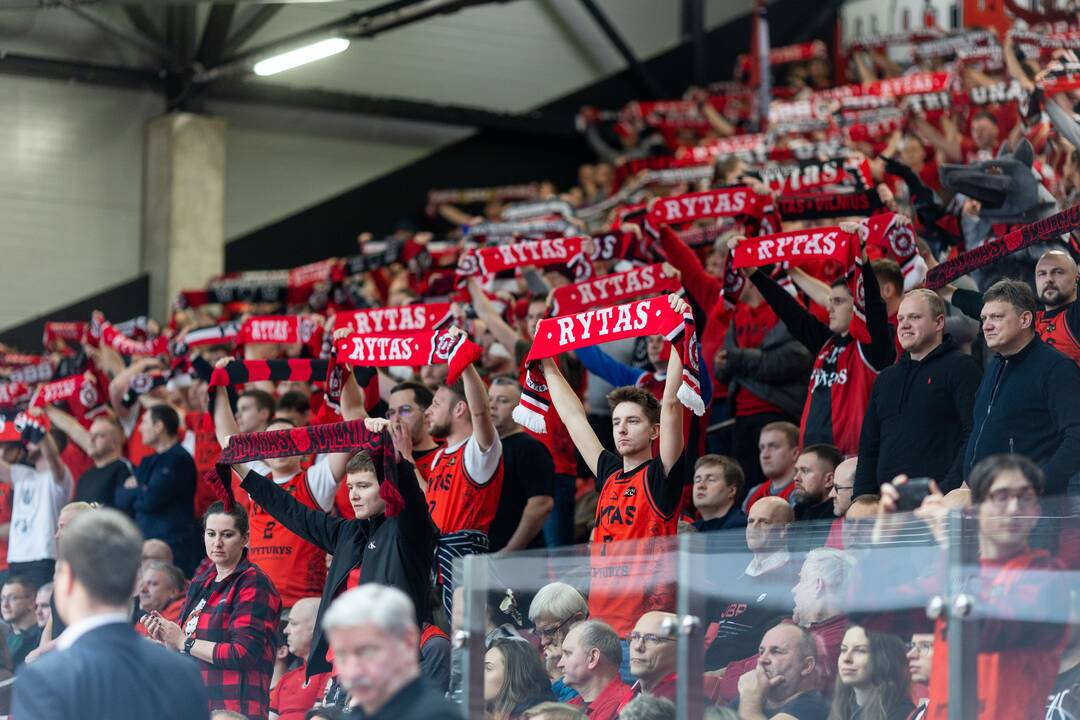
(784, 329)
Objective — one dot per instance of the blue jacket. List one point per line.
(163, 503)
(1029, 404)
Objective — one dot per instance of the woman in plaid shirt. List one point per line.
(228, 620)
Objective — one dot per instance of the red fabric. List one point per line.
(723, 202)
(170, 613)
(612, 289)
(607, 704)
(850, 393)
(765, 490)
(207, 452)
(558, 251)
(430, 348)
(402, 319)
(828, 243)
(76, 460)
(137, 451)
(456, 501)
(294, 694)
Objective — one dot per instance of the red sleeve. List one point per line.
(703, 287)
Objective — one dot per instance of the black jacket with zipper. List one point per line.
(918, 419)
(395, 551)
(1029, 404)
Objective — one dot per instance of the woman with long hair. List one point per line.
(873, 681)
(514, 679)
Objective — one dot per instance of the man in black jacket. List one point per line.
(919, 414)
(1027, 401)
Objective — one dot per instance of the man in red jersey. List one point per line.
(296, 693)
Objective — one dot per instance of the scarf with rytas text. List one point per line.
(612, 289)
(438, 347)
(594, 327)
(722, 202)
(558, 251)
(399, 319)
(14, 395)
(63, 332)
(81, 392)
(340, 437)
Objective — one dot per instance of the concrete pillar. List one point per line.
(184, 205)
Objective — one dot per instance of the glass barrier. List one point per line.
(951, 612)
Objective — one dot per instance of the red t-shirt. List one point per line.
(294, 695)
(751, 325)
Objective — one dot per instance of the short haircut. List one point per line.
(360, 462)
(24, 582)
(295, 401)
(173, 574)
(841, 282)
(1016, 293)
(109, 418)
(554, 711)
(420, 392)
(236, 512)
(598, 634)
(640, 397)
(888, 272)
(103, 551)
(648, 707)
(381, 605)
(506, 381)
(833, 567)
(987, 470)
(278, 420)
(263, 400)
(933, 300)
(226, 715)
(167, 416)
(458, 390)
(558, 601)
(828, 453)
(789, 430)
(733, 472)
(985, 115)
(78, 506)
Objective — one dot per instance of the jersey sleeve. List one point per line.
(322, 483)
(481, 465)
(666, 490)
(606, 464)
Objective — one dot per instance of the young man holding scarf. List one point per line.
(639, 493)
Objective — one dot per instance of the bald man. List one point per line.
(293, 696)
(154, 549)
(652, 656)
(843, 486)
(785, 682)
(761, 595)
(1055, 282)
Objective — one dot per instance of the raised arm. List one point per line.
(118, 386)
(566, 402)
(671, 410)
(71, 427)
(225, 425)
(477, 398)
(815, 289)
(52, 458)
(486, 311)
(317, 527)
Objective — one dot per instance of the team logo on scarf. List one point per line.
(444, 346)
(902, 240)
(88, 394)
(305, 329)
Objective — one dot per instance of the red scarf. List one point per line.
(594, 327)
(13, 394)
(282, 329)
(426, 348)
(795, 247)
(723, 202)
(612, 289)
(64, 331)
(401, 319)
(102, 331)
(559, 251)
(80, 391)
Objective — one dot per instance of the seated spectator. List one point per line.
(648, 707)
(591, 656)
(554, 711)
(920, 656)
(872, 682)
(841, 496)
(233, 602)
(154, 549)
(295, 693)
(17, 609)
(436, 656)
(514, 679)
(652, 656)
(55, 625)
(718, 483)
(43, 604)
(554, 609)
(778, 449)
(814, 472)
(161, 590)
(785, 680)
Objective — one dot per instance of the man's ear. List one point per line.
(1027, 319)
(593, 660)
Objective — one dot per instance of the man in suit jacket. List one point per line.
(100, 668)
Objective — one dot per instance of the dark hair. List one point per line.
(985, 115)
(237, 513)
(888, 675)
(263, 400)
(888, 272)
(422, 395)
(828, 453)
(987, 470)
(294, 400)
(506, 381)
(360, 462)
(524, 678)
(167, 416)
(1016, 293)
(841, 282)
(103, 551)
(733, 472)
(281, 420)
(639, 396)
(458, 389)
(22, 581)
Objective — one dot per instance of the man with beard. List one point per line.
(1059, 324)
(814, 482)
(104, 443)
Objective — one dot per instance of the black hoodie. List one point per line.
(918, 419)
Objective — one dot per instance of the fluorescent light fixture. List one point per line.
(301, 56)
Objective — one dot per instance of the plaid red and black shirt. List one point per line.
(240, 614)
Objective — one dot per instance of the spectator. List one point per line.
(841, 496)
(920, 656)
(40, 488)
(55, 625)
(1058, 325)
(527, 495)
(784, 682)
(254, 410)
(161, 590)
(154, 549)
(514, 679)
(295, 407)
(554, 711)
(17, 609)
(104, 443)
(652, 656)
(128, 678)
(408, 402)
(648, 707)
(590, 660)
(757, 598)
(651, 488)
(229, 618)
(553, 611)
(161, 495)
(1024, 379)
(295, 693)
(778, 449)
(374, 637)
(873, 681)
(919, 415)
(43, 604)
(718, 484)
(814, 472)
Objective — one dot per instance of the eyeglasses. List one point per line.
(1024, 497)
(551, 631)
(843, 488)
(404, 411)
(923, 647)
(649, 639)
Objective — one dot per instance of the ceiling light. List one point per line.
(301, 56)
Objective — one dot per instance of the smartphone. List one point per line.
(912, 493)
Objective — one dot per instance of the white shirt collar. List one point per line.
(76, 631)
(769, 562)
